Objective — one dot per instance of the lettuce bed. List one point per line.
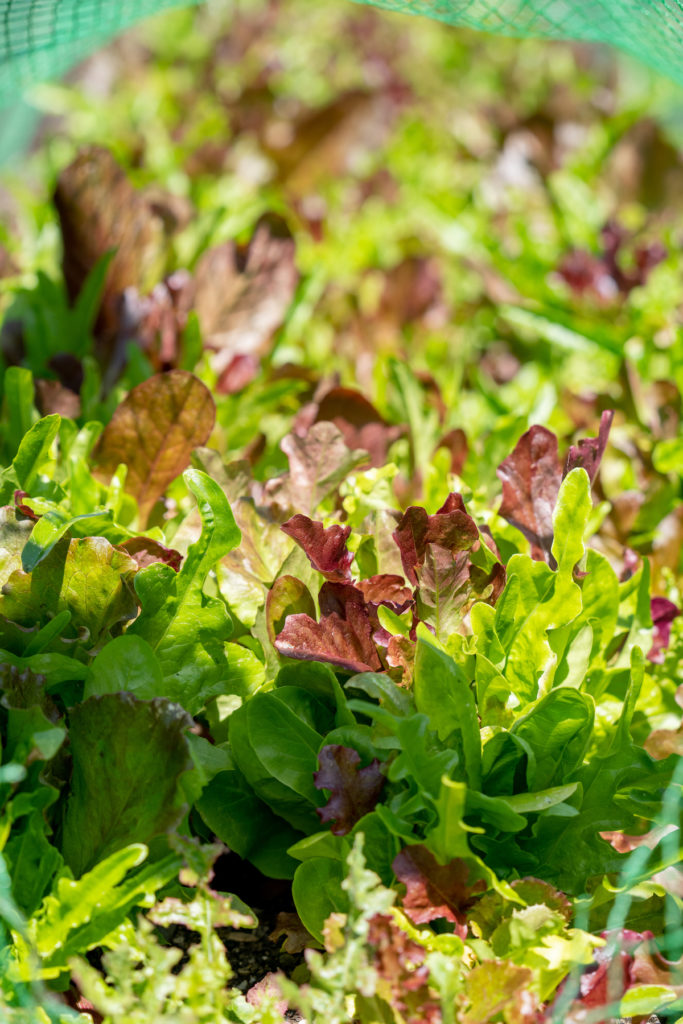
(340, 537)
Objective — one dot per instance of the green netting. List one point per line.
(41, 39)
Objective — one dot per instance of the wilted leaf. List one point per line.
(290, 925)
(589, 451)
(325, 547)
(354, 791)
(243, 293)
(128, 756)
(153, 432)
(435, 890)
(531, 478)
(99, 211)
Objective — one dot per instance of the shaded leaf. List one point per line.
(325, 547)
(153, 431)
(287, 596)
(234, 812)
(297, 937)
(354, 791)
(23, 688)
(128, 756)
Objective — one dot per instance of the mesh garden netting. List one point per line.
(41, 39)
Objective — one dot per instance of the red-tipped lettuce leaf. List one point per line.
(153, 431)
(387, 589)
(325, 547)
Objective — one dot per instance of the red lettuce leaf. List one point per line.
(451, 527)
(589, 450)
(435, 890)
(387, 589)
(345, 641)
(359, 422)
(146, 551)
(354, 791)
(325, 547)
(531, 478)
(663, 614)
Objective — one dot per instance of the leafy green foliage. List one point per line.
(400, 599)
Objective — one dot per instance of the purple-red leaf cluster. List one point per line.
(354, 791)
(531, 477)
